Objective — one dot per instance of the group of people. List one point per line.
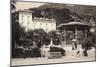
(87, 44)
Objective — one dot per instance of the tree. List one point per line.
(17, 33)
(37, 35)
(62, 15)
(13, 7)
(55, 37)
(88, 42)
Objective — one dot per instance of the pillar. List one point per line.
(65, 35)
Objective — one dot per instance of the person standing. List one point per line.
(74, 44)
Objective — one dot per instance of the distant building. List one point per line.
(25, 19)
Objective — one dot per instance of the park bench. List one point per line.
(54, 55)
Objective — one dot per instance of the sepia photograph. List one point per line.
(52, 33)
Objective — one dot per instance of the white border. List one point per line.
(5, 34)
(84, 2)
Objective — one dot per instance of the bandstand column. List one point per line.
(76, 33)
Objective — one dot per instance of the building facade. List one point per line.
(26, 20)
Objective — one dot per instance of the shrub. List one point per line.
(18, 52)
(35, 52)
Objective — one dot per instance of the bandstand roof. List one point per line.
(72, 25)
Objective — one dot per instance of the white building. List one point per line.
(43, 23)
(25, 19)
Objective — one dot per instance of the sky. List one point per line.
(27, 5)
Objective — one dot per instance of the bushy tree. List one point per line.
(37, 35)
(88, 42)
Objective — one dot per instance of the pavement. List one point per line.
(71, 56)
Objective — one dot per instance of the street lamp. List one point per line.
(92, 30)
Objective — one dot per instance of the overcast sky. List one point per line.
(27, 5)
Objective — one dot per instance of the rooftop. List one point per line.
(25, 10)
